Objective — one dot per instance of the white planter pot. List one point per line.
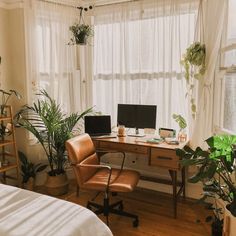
(229, 228)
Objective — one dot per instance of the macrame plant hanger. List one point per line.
(83, 30)
(81, 18)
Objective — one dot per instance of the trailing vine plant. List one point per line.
(194, 65)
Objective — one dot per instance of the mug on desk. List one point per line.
(121, 131)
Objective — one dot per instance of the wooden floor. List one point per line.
(155, 214)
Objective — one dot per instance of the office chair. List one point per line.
(90, 174)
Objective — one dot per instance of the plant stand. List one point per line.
(8, 155)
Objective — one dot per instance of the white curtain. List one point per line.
(137, 51)
(211, 22)
(52, 63)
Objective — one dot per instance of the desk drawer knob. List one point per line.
(164, 158)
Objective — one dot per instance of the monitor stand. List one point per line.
(137, 134)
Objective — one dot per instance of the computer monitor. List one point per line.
(137, 116)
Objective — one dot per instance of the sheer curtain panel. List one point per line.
(51, 62)
(137, 51)
(214, 19)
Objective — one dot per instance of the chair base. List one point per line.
(115, 208)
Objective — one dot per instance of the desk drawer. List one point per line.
(164, 158)
(124, 147)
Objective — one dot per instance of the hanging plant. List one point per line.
(194, 65)
(81, 31)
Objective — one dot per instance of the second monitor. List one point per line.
(137, 116)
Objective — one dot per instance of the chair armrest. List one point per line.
(113, 151)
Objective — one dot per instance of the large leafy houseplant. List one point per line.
(52, 128)
(216, 168)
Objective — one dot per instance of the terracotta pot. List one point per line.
(29, 185)
(229, 228)
(57, 185)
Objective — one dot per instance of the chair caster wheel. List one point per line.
(135, 223)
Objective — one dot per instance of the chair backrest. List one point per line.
(81, 148)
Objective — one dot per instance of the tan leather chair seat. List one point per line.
(121, 181)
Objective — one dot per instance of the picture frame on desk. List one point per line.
(167, 133)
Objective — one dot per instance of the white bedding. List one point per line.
(26, 213)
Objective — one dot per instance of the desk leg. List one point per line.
(173, 175)
(183, 181)
(77, 190)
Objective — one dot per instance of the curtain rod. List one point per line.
(114, 3)
(59, 3)
(95, 5)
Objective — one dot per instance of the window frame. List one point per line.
(219, 90)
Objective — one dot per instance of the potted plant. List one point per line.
(194, 66)
(29, 171)
(52, 128)
(215, 169)
(182, 136)
(81, 32)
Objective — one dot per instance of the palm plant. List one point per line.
(47, 122)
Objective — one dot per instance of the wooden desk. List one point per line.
(159, 155)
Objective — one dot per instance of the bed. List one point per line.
(26, 213)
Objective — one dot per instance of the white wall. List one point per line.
(13, 68)
(4, 49)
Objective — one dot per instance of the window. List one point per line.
(137, 57)
(227, 82)
(229, 98)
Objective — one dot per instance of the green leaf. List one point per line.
(40, 168)
(195, 178)
(190, 162)
(180, 152)
(188, 149)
